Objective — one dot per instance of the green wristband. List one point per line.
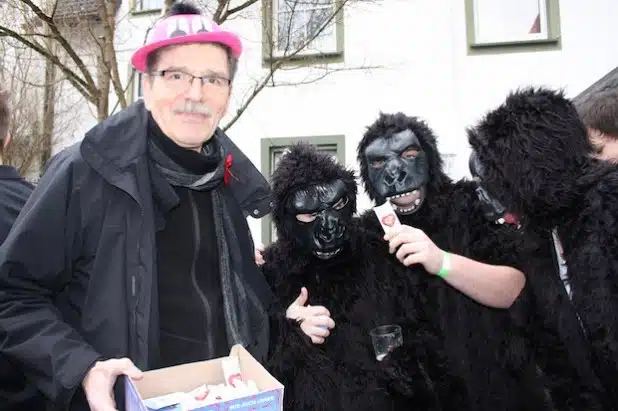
(446, 265)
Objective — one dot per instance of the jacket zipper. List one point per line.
(197, 242)
(134, 294)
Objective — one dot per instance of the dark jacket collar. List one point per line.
(9, 173)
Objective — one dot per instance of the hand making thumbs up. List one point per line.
(315, 321)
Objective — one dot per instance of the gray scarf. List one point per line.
(237, 294)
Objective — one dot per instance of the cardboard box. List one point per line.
(187, 377)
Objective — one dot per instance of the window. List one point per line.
(300, 28)
(137, 85)
(496, 23)
(272, 151)
(134, 84)
(147, 5)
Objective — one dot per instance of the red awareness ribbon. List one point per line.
(228, 166)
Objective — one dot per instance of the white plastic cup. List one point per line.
(385, 339)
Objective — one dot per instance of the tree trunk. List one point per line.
(49, 111)
(104, 80)
(167, 4)
(49, 107)
(107, 13)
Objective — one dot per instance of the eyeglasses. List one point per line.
(182, 81)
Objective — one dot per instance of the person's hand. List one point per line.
(314, 321)
(414, 247)
(259, 258)
(98, 384)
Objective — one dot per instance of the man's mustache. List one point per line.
(192, 107)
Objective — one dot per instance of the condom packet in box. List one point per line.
(235, 382)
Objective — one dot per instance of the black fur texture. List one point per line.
(538, 158)
(533, 147)
(362, 287)
(488, 345)
(182, 7)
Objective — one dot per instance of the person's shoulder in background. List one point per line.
(14, 192)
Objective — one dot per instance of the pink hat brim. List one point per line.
(222, 37)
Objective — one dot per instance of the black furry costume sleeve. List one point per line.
(590, 242)
(554, 331)
(307, 375)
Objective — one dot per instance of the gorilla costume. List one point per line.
(400, 163)
(352, 274)
(535, 158)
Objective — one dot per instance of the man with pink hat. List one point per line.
(133, 252)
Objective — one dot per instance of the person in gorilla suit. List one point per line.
(533, 156)
(322, 352)
(475, 277)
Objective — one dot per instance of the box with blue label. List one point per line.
(237, 382)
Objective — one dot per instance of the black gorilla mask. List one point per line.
(318, 216)
(493, 209)
(398, 170)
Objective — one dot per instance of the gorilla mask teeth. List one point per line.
(405, 210)
(409, 193)
(401, 206)
(326, 255)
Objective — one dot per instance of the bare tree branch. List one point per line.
(35, 114)
(75, 80)
(277, 63)
(230, 12)
(107, 15)
(63, 42)
(312, 77)
(221, 6)
(132, 77)
(167, 4)
(60, 40)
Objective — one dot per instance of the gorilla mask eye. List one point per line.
(341, 203)
(410, 153)
(377, 163)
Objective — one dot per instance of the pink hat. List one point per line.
(183, 29)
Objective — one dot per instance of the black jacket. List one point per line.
(15, 393)
(76, 272)
(14, 192)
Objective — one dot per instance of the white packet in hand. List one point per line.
(387, 217)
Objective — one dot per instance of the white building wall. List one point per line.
(426, 71)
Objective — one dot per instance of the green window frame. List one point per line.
(146, 6)
(271, 147)
(133, 91)
(331, 48)
(545, 37)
